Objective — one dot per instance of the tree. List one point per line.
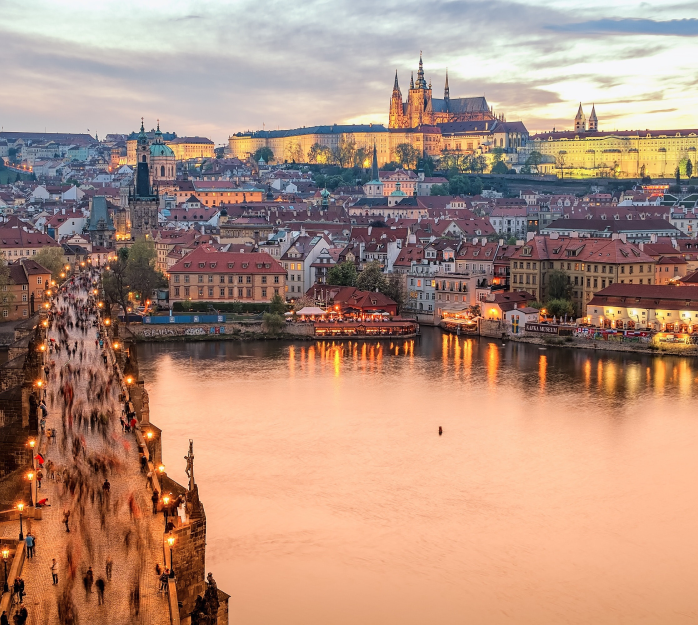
(277, 305)
(114, 282)
(407, 155)
(362, 158)
(560, 162)
(497, 155)
(500, 167)
(52, 259)
(559, 308)
(439, 189)
(219, 152)
(677, 173)
(141, 275)
(533, 161)
(294, 153)
(265, 153)
(302, 302)
(273, 323)
(559, 286)
(427, 165)
(395, 289)
(343, 153)
(342, 274)
(689, 169)
(371, 278)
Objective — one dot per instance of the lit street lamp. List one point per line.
(20, 507)
(165, 506)
(5, 555)
(171, 542)
(32, 488)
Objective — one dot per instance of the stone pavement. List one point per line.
(133, 543)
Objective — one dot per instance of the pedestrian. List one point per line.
(3, 618)
(21, 590)
(106, 487)
(54, 571)
(15, 589)
(108, 567)
(100, 591)
(163, 579)
(29, 540)
(155, 498)
(123, 424)
(22, 614)
(66, 518)
(90, 579)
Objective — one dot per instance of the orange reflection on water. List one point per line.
(492, 364)
(587, 373)
(542, 370)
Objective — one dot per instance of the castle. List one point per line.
(422, 109)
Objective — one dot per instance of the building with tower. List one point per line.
(162, 159)
(144, 198)
(100, 225)
(423, 109)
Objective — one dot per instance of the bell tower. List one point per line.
(580, 122)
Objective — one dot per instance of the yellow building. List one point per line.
(588, 152)
(186, 148)
(295, 144)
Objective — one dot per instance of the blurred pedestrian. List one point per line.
(54, 571)
(100, 591)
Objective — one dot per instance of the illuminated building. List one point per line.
(589, 152)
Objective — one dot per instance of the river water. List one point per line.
(563, 489)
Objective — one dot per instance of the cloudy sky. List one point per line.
(222, 66)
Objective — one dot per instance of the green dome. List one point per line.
(160, 149)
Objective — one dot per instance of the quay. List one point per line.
(77, 486)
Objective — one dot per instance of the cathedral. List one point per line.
(421, 108)
(143, 199)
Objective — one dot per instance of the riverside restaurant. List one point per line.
(367, 329)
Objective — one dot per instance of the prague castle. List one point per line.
(421, 108)
(587, 151)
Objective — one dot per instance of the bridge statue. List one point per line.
(190, 464)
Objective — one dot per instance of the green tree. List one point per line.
(265, 153)
(440, 189)
(497, 155)
(273, 323)
(294, 153)
(371, 278)
(407, 155)
(343, 153)
(342, 274)
(277, 305)
(362, 158)
(500, 167)
(689, 169)
(533, 161)
(559, 308)
(395, 290)
(141, 275)
(427, 165)
(677, 173)
(559, 286)
(51, 258)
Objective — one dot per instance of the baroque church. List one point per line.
(156, 161)
(421, 108)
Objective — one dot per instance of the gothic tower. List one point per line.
(593, 121)
(143, 201)
(396, 119)
(580, 122)
(447, 93)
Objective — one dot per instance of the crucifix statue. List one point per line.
(190, 464)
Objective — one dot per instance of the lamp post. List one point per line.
(20, 507)
(165, 505)
(32, 490)
(5, 555)
(171, 542)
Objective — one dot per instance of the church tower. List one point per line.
(396, 119)
(580, 122)
(447, 93)
(593, 121)
(143, 201)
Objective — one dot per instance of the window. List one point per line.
(201, 278)
(589, 283)
(249, 292)
(201, 291)
(239, 292)
(24, 297)
(276, 291)
(176, 291)
(276, 279)
(4, 313)
(264, 279)
(210, 291)
(596, 283)
(248, 279)
(38, 280)
(239, 279)
(186, 291)
(221, 279)
(231, 292)
(25, 287)
(186, 278)
(162, 171)
(264, 292)
(210, 278)
(622, 268)
(222, 292)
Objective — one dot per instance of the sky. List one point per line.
(223, 66)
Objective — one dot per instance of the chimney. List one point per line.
(530, 236)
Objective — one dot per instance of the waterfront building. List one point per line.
(207, 274)
(495, 305)
(590, 265)
(298, 261)
(589, 152)
(633, 306)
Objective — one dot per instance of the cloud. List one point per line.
(677, 28)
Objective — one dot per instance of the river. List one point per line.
(563, 489)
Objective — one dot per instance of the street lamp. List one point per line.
(129, 380)
(32, 489)
(149, 435)
(161, 469)
(165, 504)
(171, 542)
(115, 345)
(20, 507)
(5, 555)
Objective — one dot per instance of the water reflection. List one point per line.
(563, 478)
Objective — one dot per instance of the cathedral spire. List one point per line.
(580, 122)
(421, 83)
(396, 87)
(411, 80)
(447, 93)
(593, 120)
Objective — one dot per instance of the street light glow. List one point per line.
(20, 507)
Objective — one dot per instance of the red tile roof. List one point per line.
(207, 259)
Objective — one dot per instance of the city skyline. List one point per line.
(223, 68)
